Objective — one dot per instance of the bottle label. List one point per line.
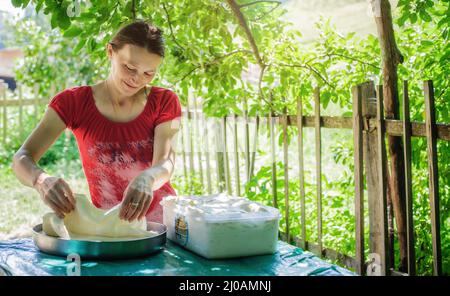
(181, 230)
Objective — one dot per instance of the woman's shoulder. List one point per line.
(168, 105)
(162, 91)
(69, 104)
(74, 92)
(77, 90)
(73, 97)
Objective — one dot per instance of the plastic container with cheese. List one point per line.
(221, 226)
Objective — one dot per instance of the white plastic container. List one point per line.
(221, 226)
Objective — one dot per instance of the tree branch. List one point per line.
(442, 92)
(242, 22)
(170, 26)
(391, 57)
(341, 55)
(310, 68)
(354, 59)
(269, 12)
(256, 2)
(133, 9)
(229, 54)
(261, 75)
(235, 8)
(214, 61)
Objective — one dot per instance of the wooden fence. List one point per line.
(370, 161)
(207, 152)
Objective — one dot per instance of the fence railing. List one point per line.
(206, 151)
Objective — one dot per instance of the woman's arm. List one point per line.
(54, 191)
(139, 193)
(163, 163)
(42, 137)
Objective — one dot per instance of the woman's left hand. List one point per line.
(137, 198)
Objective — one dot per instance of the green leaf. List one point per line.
(425, 16)
(73, 31)
(127, 10)
(54, 20)
(16, 3)
(52, 4)
(86, 16)
(429, 3)
(91, 44)
(443, 22)
(79, 46)
(445, 57)
(25, 3)
(401, 21)
(63, 20)
(427, 43)
(347, 114)
(39, 6)
(351, 35)
(325, 99)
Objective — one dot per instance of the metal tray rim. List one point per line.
(37, 230)
(102, 250)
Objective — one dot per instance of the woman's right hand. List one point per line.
(56, 193)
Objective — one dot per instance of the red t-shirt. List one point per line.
(113, 153)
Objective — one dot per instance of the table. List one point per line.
(21, 257)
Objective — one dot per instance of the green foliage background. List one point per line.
(205, 58)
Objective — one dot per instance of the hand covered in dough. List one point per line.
(56, 193)
(137, 197)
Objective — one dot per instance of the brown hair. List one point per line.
(140, 33)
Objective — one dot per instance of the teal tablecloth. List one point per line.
(21, 257)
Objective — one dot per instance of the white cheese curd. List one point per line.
(89, 223)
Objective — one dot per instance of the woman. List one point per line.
(124, 131)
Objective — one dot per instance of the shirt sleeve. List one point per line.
(170, 108)
(63, 104)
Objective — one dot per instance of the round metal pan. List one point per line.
(102, 250)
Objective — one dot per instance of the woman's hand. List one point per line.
(56, 193)
(138, 197)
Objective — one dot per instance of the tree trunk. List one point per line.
(391, 58)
